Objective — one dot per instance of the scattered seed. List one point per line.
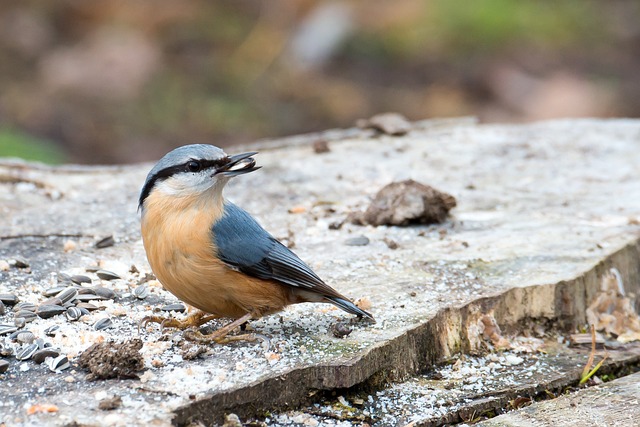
(27, 315)
(68, 295)
(7, 329)
(43, 353)
(103, 292)
(9, 299)
(23, 336)
(141, 292)
(51, 330)
(80, 279)
(59, 363)
(21, 262)
(51, 301)
(4, 366)
(63, 277)
(105, 243)
(88, 306)
(103, 323)
(89, 297)
(357, 241)
(175, 307)
(26, 352)
(73, 313)
(42, 343)
(28, 306)
(47, 311)
(53, 291)
(107, 275)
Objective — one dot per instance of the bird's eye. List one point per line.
(194, 166)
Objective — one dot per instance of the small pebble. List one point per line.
(19, 322)
(69, 246)
(3, 308)
(512, 359)
(4, 265)
(357, 241)
(4, 366)
(340, 330)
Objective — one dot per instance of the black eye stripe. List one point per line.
(165, 173)
(206, 164)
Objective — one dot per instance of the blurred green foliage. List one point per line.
(233, 71)
(18, 144)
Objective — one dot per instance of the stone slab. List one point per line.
(544, 211)
(611, 404)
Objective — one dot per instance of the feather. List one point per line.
(245, 246)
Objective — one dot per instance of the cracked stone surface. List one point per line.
(544, 211)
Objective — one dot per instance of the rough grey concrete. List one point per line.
(544, 210)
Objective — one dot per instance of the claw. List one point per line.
(149, 319)
(193, 320)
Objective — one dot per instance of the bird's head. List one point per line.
(193, 170)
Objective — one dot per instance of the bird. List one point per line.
(212, 254)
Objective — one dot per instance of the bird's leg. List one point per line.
(220, 336)
(193, 320)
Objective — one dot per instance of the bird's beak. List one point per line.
(238, 165)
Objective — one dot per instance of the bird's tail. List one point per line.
(349, 307)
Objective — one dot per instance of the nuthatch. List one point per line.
(212, 254)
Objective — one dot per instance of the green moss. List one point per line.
(14, 143)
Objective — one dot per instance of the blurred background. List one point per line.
(108, 81)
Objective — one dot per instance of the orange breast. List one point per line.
(178, 242)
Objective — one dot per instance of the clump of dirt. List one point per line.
(406, 202)
(113, 360)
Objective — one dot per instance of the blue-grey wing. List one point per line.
(243, 244)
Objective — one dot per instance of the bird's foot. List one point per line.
(193, 320)
(221, 336)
